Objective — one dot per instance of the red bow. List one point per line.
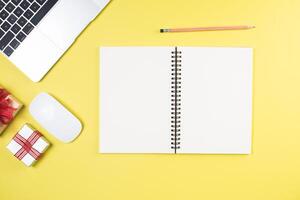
(6, 110)
(27, 145)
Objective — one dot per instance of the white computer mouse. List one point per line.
(55, 118)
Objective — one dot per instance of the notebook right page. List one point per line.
(216, 100)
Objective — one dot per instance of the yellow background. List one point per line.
(76, 171)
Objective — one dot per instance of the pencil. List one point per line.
(212, 28)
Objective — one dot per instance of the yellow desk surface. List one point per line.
(76, 171)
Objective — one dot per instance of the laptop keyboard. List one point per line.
(18, 18)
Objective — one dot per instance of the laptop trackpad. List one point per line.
(66, 21)
(35, 55)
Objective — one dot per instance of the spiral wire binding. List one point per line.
(175, 99)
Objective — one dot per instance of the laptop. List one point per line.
(34, 34)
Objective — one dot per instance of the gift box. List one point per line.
(9, 107)
(28, 145)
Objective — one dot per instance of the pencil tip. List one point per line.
(164, 30)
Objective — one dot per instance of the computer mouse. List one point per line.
(55, 118)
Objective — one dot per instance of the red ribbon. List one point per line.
(6, 110)
(27, 145)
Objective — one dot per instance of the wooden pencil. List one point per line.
(212, 28)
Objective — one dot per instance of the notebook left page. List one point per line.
(135, 103)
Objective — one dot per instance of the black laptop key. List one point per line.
(1, 5)
(41, 2)
(8, 51)
(25, 4)
(6, 1)
(28, 14)
(12, 19)
(28, 28)
(10, 7)
(43, 11)
(21, 36)
(1, 33)
(16, 2)
(3, 14)
(5, 26)
(22, 21)
(18, 11)
(14, 44)
(34, 7)
(30, 1)
(6, 39)
(1, 21)
(16, 28)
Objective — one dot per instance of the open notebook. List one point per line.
(175, 100)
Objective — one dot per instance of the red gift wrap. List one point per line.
(9, 107)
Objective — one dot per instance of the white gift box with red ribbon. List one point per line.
(28, 145)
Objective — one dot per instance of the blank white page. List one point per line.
(135, 103)
(216, 100)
